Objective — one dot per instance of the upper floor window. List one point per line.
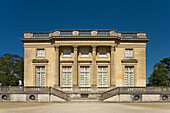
(40, 53)
(128, 52)
(102, 53)
(84, 53)
(67, 53)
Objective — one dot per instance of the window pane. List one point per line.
(40, 75)
(84, 76)
(66, 76)
(128, 52)
(129, 76)
(40, 52)
(102, 76)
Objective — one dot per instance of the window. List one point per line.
(40, 53)
(40, 75)
(84, 76)
(128, 52)
(67, 53)
(129, 76)
(102, 76)
(66, 76)
(84, 53)
(102, 53)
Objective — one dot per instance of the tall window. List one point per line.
(129, 76)
(102, 53)
(67, 53)
(84, 53)
(40, 75)
(84, 76)
(102, 76)
(128, 52)
(40, 53)
(66, 76)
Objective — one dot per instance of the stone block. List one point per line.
(150, 97)
(18, 97)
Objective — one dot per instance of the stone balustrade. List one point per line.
(85, 33)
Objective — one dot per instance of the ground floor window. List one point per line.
(129, 75)
(40, 75)
(102, 76)
(84, 76)
(66, 76)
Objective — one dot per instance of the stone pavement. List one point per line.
(85, 107)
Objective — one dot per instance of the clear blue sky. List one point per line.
(151, 16)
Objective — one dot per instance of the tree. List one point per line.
(166, 61)
(11, 69)
(160, 75)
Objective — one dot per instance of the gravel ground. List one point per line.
(85, 107)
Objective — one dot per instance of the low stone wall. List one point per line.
(138, 98)
(119, 94)
(27, 98)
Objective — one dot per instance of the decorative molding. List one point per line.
(40, 61)
(129, 61)
(94, 47)
(75, 47)
(56, 48)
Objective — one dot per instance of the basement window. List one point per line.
(84, 95)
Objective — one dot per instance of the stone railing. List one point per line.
(59, 93)
(110, 93)
(85, 33)
(18, 90)
(135, 91)
(85, 89)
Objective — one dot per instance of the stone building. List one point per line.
(85, 58)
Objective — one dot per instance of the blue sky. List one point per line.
(151, 16)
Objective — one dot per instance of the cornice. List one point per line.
(51, 39)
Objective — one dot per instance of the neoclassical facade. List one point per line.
(85, 58)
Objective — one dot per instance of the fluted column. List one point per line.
(75, 68)
(94, 74)
(56, 63)
(113, 79)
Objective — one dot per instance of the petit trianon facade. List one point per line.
(69, 59)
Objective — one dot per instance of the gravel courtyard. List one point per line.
(85, 107)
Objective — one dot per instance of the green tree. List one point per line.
(166, 61)
(160, 75)
(11, 69)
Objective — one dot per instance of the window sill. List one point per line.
(84, 57)
(40, 57)
(129, 56)
(102, 57)
(66, 56)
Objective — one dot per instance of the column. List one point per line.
(75, 68)
(94, 74)
(57, 65)
(113, 79)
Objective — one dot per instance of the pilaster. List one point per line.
(94, 74)
(75, 67)
(113, 79)
(56, 63)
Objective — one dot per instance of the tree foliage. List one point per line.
(11, 69)
(161, 74)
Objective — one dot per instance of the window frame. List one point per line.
(67, 51)
(37, 53)
(65, 73)
(85, 77)
(103, 72)
(101, 51)
(84, 52)
(42, 74)
(128, 55)
(127, 75)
